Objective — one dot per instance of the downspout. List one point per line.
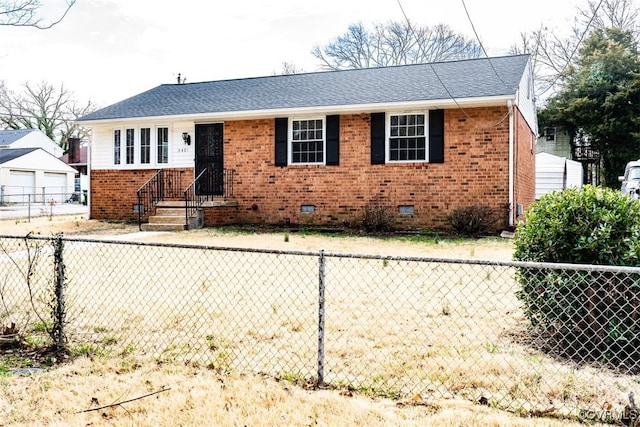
(89, 147)
(511, 162)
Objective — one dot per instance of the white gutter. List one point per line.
(324, 109)
(511, 171)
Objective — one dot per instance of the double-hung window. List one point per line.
(162, 145)
(407, 138)
(145, 146)
(307, 141)
(117, 146)
(130, 144)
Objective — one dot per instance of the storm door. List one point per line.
(209, 158)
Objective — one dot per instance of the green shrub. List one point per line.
(582, 313)
(589, 225)
(473, 220)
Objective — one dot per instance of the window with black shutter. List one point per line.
(407, 137)
(307, 141)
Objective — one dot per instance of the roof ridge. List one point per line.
(331, 90)
(348, 70)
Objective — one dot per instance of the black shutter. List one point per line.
(436, 136)
(377, 138)
(281, 141)
(333, 140)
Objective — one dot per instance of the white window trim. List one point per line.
(154, 146)
(150, 145)
(290, 140)
(137, 146)
(387, 139)
(113, 147)
(552, 136)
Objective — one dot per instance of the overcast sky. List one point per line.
(108, 50)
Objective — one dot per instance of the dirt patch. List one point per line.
(72, 225)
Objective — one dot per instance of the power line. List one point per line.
(575, 49)
(481, 45)
(431, 65)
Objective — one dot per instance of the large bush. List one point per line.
(589, 225)
(583, 313)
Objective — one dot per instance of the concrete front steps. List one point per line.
(170, 216)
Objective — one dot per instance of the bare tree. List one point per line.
(553, 54)
(289, 68)
(621, 14)
(44, 107)
(26, 13)
(394, 43)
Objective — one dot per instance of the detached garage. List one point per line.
(34, 175)
(554, 173)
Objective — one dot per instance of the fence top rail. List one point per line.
(323, 253)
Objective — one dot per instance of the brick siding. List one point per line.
(525, 173)
(475, 171)
(114, 192)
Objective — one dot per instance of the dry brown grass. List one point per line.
(200, 396)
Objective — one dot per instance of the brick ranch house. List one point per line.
(316, 148)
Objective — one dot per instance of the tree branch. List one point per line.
(24, 13)
(125, 401)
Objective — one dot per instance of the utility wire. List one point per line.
(464, 5)
(575, 49)
(431, 65)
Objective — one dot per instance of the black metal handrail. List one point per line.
(193, 198)
(148, 195)
(166, 183)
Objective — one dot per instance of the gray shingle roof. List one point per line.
(8, 137)
(487, 77)
(8, 154)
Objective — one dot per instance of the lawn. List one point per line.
(189, 392)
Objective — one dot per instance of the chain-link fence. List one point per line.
(49, 202)
(529, 338)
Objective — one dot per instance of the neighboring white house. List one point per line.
(555, 173)
(29, 138)
(34, 175)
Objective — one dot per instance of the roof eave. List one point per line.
(474, 102)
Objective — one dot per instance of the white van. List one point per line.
(631, 179)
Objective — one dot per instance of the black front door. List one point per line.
(209, 158)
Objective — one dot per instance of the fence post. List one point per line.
(59, 309)
(321, 276)
(2, 195)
